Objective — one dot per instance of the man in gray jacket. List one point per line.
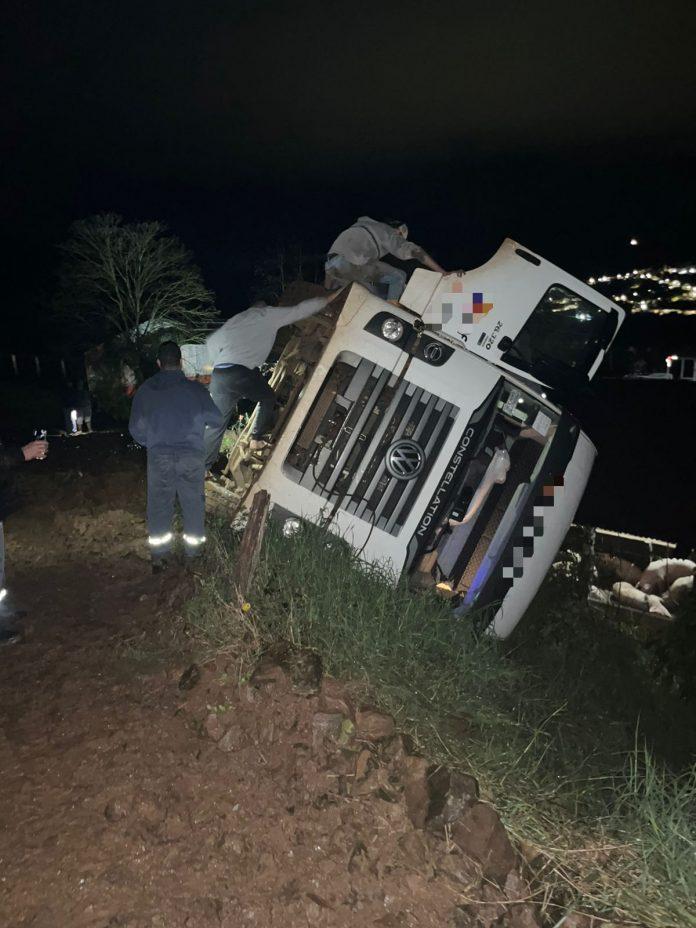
(168, 417)
(357, 254)
(237, 350)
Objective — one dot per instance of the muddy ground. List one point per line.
(128, 801)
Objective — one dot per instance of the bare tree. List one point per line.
(132, 280)
(281, 265)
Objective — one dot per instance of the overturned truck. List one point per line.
(431, 434)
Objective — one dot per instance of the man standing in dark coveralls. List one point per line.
(169, 416)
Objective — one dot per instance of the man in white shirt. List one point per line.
(237, 350)
(357, 254)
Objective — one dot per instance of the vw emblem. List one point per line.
(432, 352)
(405, 459)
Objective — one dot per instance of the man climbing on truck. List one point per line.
(356, 256)
(236, 351)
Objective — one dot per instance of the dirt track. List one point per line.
(129, 802)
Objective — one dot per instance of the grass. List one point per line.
(540, 721)
(656, 814)
(232, 434)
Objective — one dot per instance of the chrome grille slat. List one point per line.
(377, 438)
(399, 432)
(355, 434)
(410, 489)
(381, 465)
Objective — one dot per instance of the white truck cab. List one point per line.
(427, 435)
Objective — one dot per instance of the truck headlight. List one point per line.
(392, 329)
(291, 527)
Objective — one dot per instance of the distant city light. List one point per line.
(642, 298)
(634, 241)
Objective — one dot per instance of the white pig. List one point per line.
(659, 575)
(679, 590)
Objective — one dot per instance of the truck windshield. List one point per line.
(564, 331)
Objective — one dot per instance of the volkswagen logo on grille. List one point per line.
(432, 352)
(405, 459)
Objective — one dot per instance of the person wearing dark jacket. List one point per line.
(168, 417)
(11, 456)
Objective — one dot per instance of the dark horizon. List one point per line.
(244, 125)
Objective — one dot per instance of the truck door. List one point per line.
(522, 313)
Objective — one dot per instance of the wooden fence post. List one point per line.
(250, 546)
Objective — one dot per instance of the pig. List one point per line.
(679, 590)
(659, 575)
(620, 568)
(628, 595)
(657, 607)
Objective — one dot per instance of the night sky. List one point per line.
(570, 127)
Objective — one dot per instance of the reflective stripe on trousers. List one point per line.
(159, 541)
(193, 541)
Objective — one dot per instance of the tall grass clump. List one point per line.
(316, 593)
(655, 814)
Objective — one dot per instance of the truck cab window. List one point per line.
(564, 332)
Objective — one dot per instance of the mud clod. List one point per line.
(115, 811)
(190, 677)
(481, 835)
(371, 725)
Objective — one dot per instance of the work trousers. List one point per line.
(378, 277)
(175, 474)
(228, 385)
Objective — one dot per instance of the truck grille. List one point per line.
(342, 450)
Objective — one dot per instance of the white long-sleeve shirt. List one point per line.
(369, 240)
(248, 337)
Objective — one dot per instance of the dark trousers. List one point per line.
(171, 475)
(228, 385)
